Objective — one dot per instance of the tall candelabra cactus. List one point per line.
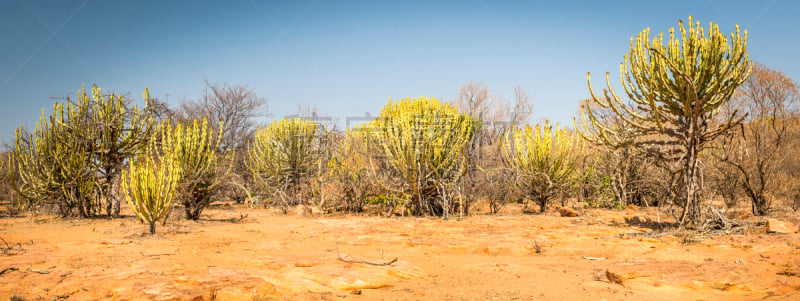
(286, 154)
(674, 91)
(423, 141)
(52, 167)
(150, 184)
(73, 156)
(117, 133)
(544, 158)
(195, 149)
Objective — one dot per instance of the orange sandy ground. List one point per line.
(271, 256)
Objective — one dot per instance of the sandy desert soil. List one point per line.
(271, 256)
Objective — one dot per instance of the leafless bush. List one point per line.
(619, 176)
(238, 107)
(750, 158)
(486, 177)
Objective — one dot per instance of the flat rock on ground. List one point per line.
(780, 227)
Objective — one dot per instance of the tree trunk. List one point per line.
(542, 205)
(153, 227)
(760, 206)
(691, 207)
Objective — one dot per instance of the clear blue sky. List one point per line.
(347, 57)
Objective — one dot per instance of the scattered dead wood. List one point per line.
(536, 247)
(241, 217)
(64, 276)
(66, 295)
(8, 269)
(156, 254)
(593, 258)
(9, 247)
(717, 221)
(31, 269)
(641, 234)
(391, 262)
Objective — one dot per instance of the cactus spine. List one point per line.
(423, 140)
(149, 186)
(545, 159)
(674, 92)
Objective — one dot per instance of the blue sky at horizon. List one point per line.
(348, 57)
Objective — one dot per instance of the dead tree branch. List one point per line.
(391, 262)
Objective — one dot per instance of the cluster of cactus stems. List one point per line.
(545, 159)
(196, 153)
(285, 154)
(423, 141)
(45, 163)
(118, 133)
(674, 91)
(150, 185)
(60, 161)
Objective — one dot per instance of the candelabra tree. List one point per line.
(53, 168)
(674, 92)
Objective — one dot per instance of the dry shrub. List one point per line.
(751, 162)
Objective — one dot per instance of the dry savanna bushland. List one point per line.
(684, 183)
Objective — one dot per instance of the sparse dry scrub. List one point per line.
(751, 159)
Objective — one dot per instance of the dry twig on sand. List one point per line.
(31, 269)
(8, 269)
(9, 247)
(363, 261)
(157, 254)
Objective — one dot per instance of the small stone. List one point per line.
(355, 292)
(567, 212)
(780, 227)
